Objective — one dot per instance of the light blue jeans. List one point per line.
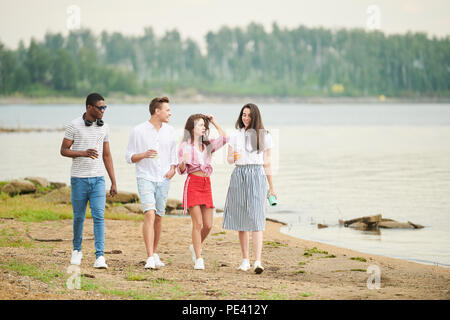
(92, 189)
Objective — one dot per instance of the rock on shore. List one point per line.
(15, 187)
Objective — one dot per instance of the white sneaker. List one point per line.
(194, 257)
(76, 257)
(245, 265)
(150, 263)
(258, 267)
(100, 263)
(158, 262)
(199, 264)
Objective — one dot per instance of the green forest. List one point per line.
(300, 62)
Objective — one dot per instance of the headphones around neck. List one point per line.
(89, 123)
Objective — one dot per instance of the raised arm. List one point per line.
(214, 122)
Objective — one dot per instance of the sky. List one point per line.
(24, 19)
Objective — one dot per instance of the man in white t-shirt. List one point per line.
(152, 148)
(86, 141)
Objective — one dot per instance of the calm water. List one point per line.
(331, 162)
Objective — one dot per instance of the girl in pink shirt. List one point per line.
(194, 158)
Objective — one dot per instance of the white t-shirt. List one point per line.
(241, 141)
(84, 138)
(144, 137)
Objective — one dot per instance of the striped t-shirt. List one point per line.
(84, 138)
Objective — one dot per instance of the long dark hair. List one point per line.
(189, 130)
(258, 131)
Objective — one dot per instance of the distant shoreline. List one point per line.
(199, 98)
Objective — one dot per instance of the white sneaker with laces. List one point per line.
(76, 257)
(199, 264)
(194, 257)
(158, 262)
(245, 265)
(150, 263)
(100, 263)
(258, 267)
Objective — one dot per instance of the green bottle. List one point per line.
(272, 200)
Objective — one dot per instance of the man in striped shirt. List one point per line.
(86, 141)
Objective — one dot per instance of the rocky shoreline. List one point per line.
(59, 193)
(128, 203)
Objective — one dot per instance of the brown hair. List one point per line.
(256, 125)
(156, 104)
(189, 130)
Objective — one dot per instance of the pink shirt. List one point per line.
(199, 161)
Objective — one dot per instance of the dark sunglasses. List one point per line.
(101, 107)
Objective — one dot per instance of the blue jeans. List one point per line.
(92, 189)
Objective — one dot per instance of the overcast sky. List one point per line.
(23, 19)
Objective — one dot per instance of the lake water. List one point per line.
(330, 162)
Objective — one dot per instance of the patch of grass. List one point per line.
(117, 204)
(310, 252)
(360, 270)
(177, 292)
(266, 295)
(4, 196)
(132, 276)
(275, 244)
(330, 256)
(2, 183)
(92, 285)
(134, 294)
(301, 263)
(12, 239)
(160, 281)
(31, 209)
(43, 190)
(217, 233)
(299, 271)
(306, 294)
(37, 215)
(215, 266)
(124, 216)
(30, 270)
(88, 284)
(216, 293)
(358, 259)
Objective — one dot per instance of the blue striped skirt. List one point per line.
(245, 207)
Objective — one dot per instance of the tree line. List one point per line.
(238, 61)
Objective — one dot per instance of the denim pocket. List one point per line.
(73, 181)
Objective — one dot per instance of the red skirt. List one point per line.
(197, 191)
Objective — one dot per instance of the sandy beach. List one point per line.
(39, 270)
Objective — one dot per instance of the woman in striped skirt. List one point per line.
(249, 148)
